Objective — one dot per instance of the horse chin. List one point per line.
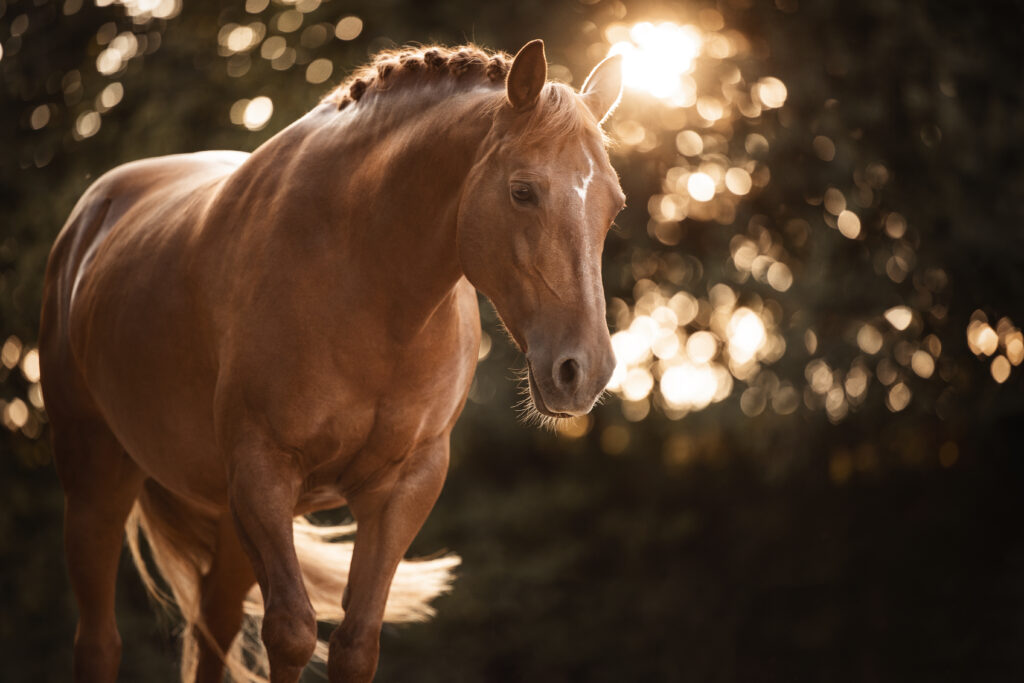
(538, 399)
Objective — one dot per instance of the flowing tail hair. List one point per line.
(182, 541)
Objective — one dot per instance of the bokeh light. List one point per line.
(348, 28)
(319, 71)
(257, 112)
(701, 187)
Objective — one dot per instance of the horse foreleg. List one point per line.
(100, 485)
(389, 516)
(222, 592)
(264, 490)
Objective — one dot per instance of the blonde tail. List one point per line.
(182, 541)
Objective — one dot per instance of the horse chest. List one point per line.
(376, 445)
(378, 426)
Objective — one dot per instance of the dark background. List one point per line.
(848, 539)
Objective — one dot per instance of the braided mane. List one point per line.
(388, 65)
(559, 113)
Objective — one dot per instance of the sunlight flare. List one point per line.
(655, 57)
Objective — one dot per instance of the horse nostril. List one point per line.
(568, 374)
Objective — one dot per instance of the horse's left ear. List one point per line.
(527, 75)
(603, 87)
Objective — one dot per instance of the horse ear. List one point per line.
(603, 87)
(527, 75)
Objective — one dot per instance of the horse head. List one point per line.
(532, 221)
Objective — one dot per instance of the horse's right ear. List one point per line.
(527, 75)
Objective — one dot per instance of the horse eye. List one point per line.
(522, 193)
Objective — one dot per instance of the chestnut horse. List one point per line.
(231, 341)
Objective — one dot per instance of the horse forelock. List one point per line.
(558, 115)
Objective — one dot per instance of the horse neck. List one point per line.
(385, 176)
(418, 149)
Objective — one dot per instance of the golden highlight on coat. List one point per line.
(232, 341)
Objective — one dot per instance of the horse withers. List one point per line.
(231, 341)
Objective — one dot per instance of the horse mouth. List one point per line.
(538, 399)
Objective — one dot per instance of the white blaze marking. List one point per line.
(581, 190)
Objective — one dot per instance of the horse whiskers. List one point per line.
(526, 409)
(522, 376)
(530, 416)
(504, 328)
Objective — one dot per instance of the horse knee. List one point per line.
(97, 654)
(289, 633)
(352, 657)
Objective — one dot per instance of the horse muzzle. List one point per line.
(569, 383)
